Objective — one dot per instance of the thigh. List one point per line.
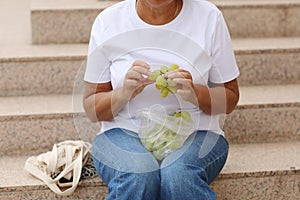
(203, 149)
(123, 151)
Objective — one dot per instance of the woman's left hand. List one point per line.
(185, 86)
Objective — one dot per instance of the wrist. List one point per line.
(195, 98)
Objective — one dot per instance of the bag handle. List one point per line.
(75, 166)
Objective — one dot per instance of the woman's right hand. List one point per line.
(136, 79)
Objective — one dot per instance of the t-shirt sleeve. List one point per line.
(224, 67)
(97, 65)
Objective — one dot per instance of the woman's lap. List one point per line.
(203, 155)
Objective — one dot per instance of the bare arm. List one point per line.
(101, 102)
(218, 98)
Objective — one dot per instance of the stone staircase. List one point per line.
(38, 107)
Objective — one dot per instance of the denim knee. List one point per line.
(129, 185)
(179, 181)
(110, 150)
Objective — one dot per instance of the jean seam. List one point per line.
(118, 187)
(220, 157)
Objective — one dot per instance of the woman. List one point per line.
(128, 41)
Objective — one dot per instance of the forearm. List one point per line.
(103, 106)
(215, 100)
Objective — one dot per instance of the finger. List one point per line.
(141, 70)
(145, 81)
(178, 74)
(131, 83)
(187, 83)
(143, 67)
(133, 75)
(141, 63)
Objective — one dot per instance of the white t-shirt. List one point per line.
(197, 40)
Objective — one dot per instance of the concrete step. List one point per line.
(52, 69)
(260, 171)
(75, 18)
(257, 18)
(40, 69)
(265, 114)
(253, 171)
(17, 184)
(32, 123)
(268, 61)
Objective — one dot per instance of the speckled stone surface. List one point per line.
(273, 117)
(17, 184)
(279, 187)
(244, 19)
(21, 78)
(261, 18)
(258, 22)
(32, 70)
(75, 18)
(260, 171)
(269, 68)
(47, 26)
(40, 69)
(52, 69)
(265, 124)
(252, 171)
(292, 24)
(33, 134)
(31, 124)
(87, 193)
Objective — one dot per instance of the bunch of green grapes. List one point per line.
(166, 141)
(165, 85)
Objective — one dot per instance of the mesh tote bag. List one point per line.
(60, 169)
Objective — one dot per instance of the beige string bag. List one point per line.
(65, 161)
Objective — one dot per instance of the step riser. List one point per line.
(267, 21)
(243, 21)
(89, 192)
(268, 68)
(38, 77)
(260, 125)
(279, 187)
(29, 135)
(57, 76)
(47, 26)
(33, 134)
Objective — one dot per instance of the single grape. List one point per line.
(186, 116)
(163, 69)
(177, 114)
(160, 80)
(174, 66)
(159, 87)
(154, 75)
(164, 92)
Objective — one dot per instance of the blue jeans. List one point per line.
(132, 173)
